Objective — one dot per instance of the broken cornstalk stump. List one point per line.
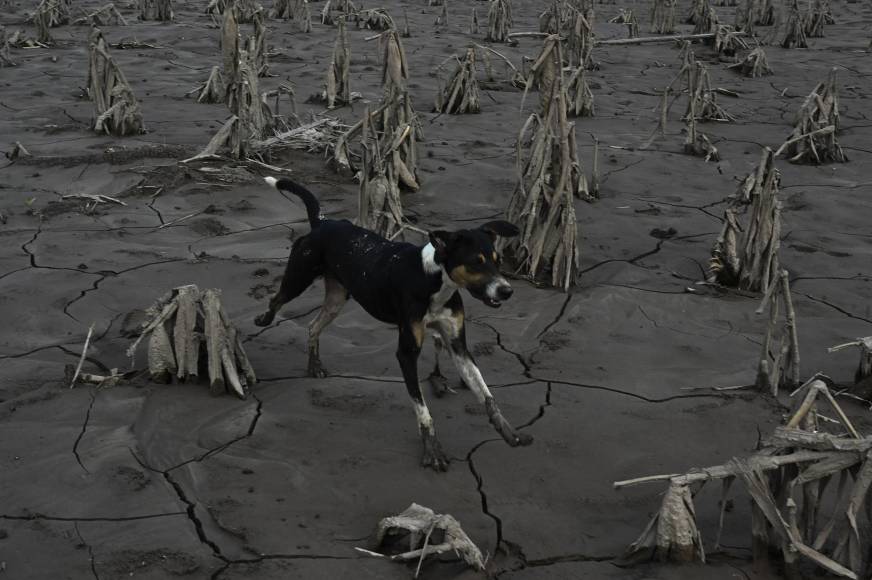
(161, 10)
(818, 15)
(244, 10)
(755, 64)
(106, 15)
(628, 18)
(186, 324)
(794, 465)
(814, 139)
(779, 355)
(499, 20)
(380, 208)
(334, 10)
(663, 17)
(5, 53)
(53, 13)
(337, 93)
(794, 36)
(115, 104)
(580, 95)
(420, 523)
(728, 41)
(374, 19)
(747, 257)
(550, 176)
(460, 94)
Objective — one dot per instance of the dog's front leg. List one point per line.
(453, 333)
(411, 337)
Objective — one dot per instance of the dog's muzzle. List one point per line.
(497, 292)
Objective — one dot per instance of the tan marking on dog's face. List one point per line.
(495, 257)
(481, 259)
(463, 277)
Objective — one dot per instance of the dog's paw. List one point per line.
(264, 319)
(439, 385)
(433, 456)
(317, 370)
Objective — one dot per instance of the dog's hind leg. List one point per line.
(302, 269)
(335, 297)
(453, 334)
(411, 338)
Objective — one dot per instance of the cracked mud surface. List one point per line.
(613, 380)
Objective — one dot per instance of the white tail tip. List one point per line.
(271, 180)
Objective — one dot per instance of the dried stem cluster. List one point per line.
(663, 16)
(788, 481)
(747, 257)
(755, 64)
(813, 139)
(161, 10)
(779, 355)
(499, 20)
(116, 106)
(189, 329)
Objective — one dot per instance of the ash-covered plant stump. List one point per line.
(338, 91)
(460, 95)
(814, 139)
(550, 177)
(189, 331)
(779, 355)
(116, 106)
(499, 20)
(755, 64)
(161, 10)
(747, 257)
(794, 36)
(663, 17)
(794, 512)
(423, 526)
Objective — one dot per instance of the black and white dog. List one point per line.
(413, 287)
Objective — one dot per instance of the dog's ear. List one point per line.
(440, 240)
(500, 228)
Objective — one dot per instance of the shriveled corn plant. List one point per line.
(575, 24)
(334, 10)
(374, 19)
(580, 97)
(755, 64)
(244, 9)
(499, 20)
(5, 54)
(550, 177)
(260, 55)
(706, 22)
(778, 367)
(818, 15)
(728, 41)
(794, 35)
(53, 13)
(460, 94)
(813, 139)
(663, 16)
(796, 512)
(117, 110)
(747, 257)
(380, 208)
(702, 99)
(628, 18)
(161, 10)
(107, 15)
(337, 92)
(698, 11)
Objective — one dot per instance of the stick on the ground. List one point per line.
(84, 355)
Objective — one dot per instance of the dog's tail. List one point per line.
(313, 208)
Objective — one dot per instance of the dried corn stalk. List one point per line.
(338, 92)
(627, 17)
(818, 14)
(755, 64)
(728, 41)
(550, 176)
(698, 11)
(43, 30)
(702, 100)
(663, 17)
(795, 37)
(814, 135)
(374, 19)
(764, 13)
(5, 54)
(747, 257)
(213, 90)
(161, 10)
(580, 95)
(379, 205)
(473, 22)
(335, 10)
(420, 523)
(229, 45)
(107, 15)
(54, 13)
(499, 20)
(707, 22)
(864, 369)
(186, 324)
(244, 9)
(794, 466)
(779, 355)
(575, 24)
(442, 19)
(260, 50)
(460, 94)
(116, 107)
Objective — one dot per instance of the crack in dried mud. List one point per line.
(93, 395)
(90, 551)
(37, 516)
(835, 307)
